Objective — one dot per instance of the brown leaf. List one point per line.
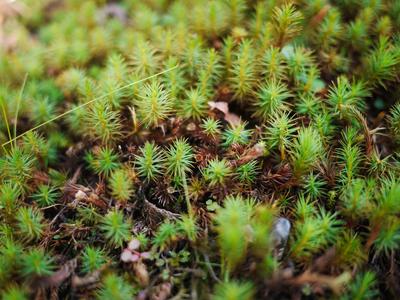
(223, 107)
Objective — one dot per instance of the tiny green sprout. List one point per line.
(115, 228)
(382, 63)
(166, 233)
(236, 134)
(273, 64)
(313, 186)
(232, 224)
(212, 127)
(121, 185)
(17, 167)
(115, 287)
(308, 105)
(216, 172)
(357, 198)
(394, 122)
(271, 99)
(350, 251)
(286, 23)
(243, 70)
(153, 104)
(9, 194)
(187, 225)
(36, 262)
(43, 110)
(345, 97)
(247, 173)
(179, 159)
(15, 293)
(30, 223)
(46, 195)
(233, 290)
(306, 151)
(102, 161)
(149, 161)
(349, 155)
(388, 239)
(362, 288)
(304, 208)
(279, 132)
(92, 259)
(210, 72)
(144, 59)
(194, 105)
(298, 59)
(102, 123)
(174, 80)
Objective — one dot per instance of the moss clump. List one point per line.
(192, 148)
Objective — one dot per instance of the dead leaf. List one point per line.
(223, 107)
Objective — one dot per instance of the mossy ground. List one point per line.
(160, 149)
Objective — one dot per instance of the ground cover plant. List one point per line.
(223, 149)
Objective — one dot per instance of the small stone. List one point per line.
(280, 232)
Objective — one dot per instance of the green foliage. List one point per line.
(188, 226)
(231, 224)
(345, 97)
(242, 80)
(233, 290)
(153, 104)
(102, 123)
(166, 233)
(313, 230)
(15, 293)
(92, 259)
(149, 163)
(216, 172)
(236, 134)
(46, 195)
(211, 127)
(9, 194)
(194, 105)
(121, 185)
(179, 159)
(30, 223)
(314, 186)
(102, 161)
(381, 64)
(363, 287)
(394, 122)
(273, 64)
(388, 239)
(148, 145)
(306, 150)
(349, 156)
(36, 262)
(271, 99)
(279, 132)
(115, 287)
(287, 23)
(17, 167)
(248, 172)
(115, 228)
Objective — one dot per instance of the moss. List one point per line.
(155, 146)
